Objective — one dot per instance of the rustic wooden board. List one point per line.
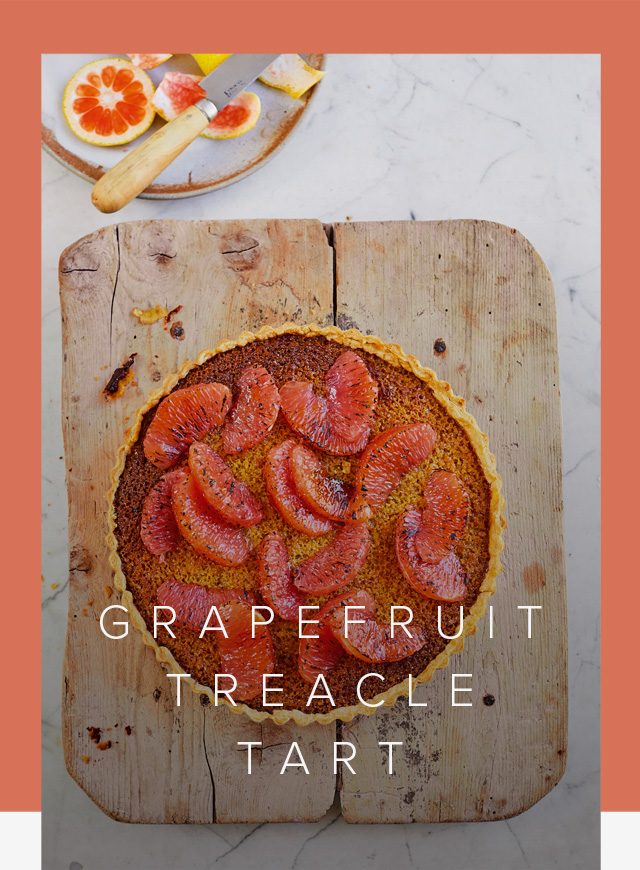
(481, 288)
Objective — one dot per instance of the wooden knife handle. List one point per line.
(137, 170)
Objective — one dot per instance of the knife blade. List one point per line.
(137, 170)
(230, 78)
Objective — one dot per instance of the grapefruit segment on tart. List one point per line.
(327, 496)
(204, 529)
(185, 416)
(254, 411)
(158, 529)
(370, 640)
(444, 518)
(192, 603)
(246, 658)
(230, 498)
(389, 456)
(284, 496)
(275, 578)
(336, 564)
(319, 655)
(444, 581)
(340, 422)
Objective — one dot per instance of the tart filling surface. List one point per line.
(434, 522)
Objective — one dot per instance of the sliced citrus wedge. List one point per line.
(148, 61)
(202, 527)
(159, 530)
(229, 497)
(246, 658)
(445, 581)
(284, 496)
(183, 417)
(209, 62)
(327, 496)
(192, 603)
(292, 74)
(370, 640)
(177, 91)
(389, 456)
(109, 102)
(274, 574)
(444, 518)
(319, 655)
(254, 410)
(335, 565)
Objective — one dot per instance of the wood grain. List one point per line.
(228, 277)
(484, 291)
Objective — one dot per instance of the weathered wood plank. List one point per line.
(483, 289)
(228, 276)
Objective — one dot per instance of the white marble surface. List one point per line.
(513, 139)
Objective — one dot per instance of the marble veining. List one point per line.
(513, 139)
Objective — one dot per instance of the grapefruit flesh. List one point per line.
(204, 529)
(340, 422)
(335, 565)
(230, 498)
(274, 575)
(321, 654)
(254, 410)
(389, 456)
(327, 496)
(177, 91)
(148, 61)
(292, 74)
(192, 603)
(445, 581)
(444, 518)
(370, 640)
(246, 657)
(183, 417)
(284, 496)
(109, 102)
(159, 530)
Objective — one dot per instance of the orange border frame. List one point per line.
(32, 27)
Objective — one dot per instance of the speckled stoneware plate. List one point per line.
(207, 164)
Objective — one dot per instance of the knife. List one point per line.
(137, 170)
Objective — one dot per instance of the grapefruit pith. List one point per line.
(109, 102)
(177, 91)
(292, 74)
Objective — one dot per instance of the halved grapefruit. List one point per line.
(445, 581)
(148, 61)
(192, 603)
(284, 496)
(292, 74)
(229, 497)
(183, 417)
(391, 455)
(370, 640)
(444, 518)
(254, 410)
(203, 528)
(274, 575)
(319, 655)
(109, 102)
(158, 529)
(335, 565)
(177, 91)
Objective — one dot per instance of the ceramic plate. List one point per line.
(207, 164)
